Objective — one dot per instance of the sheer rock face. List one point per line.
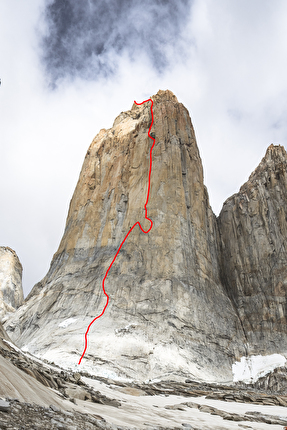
(176, 302)
(166, 299)
(11, 292)
(253, 231)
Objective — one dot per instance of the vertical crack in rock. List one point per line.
(191, 260)
(108, 197)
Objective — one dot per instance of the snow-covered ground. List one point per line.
(249, 369)
(140, 411)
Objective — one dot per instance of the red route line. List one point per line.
(146, 217)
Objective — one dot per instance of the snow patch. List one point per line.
(127, 329)
(67, 322)
(25, 348)
(249, 369)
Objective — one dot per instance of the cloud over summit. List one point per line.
(86, 38)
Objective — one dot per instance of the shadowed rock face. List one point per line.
(253, 232)
(173, 306)
(11, 292)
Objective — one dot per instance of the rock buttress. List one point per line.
(253, 231)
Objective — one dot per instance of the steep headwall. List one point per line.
(168, 312)
(188, 298)
(253, 232)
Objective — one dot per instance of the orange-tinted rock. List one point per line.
(188, 298)
(253, 230)
(166, 298)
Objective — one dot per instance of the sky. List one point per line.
(69, 68)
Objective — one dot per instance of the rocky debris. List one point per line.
(253, 234)
(229, 393)
(11, 292)
(16, 383)
(26, 416)
(250, 397)
(69, 385)
(248, 416)
(264, 418)
(273, 382)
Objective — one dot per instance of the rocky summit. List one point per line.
(189, 298)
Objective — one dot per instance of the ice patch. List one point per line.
(249, 369)
(67, 322)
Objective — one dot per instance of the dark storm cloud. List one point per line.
(86, 37)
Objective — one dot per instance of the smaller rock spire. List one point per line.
(11, 292)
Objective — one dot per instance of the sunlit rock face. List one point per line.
(166, 299)
(11, 292)
(173, 310)
(253, 231)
